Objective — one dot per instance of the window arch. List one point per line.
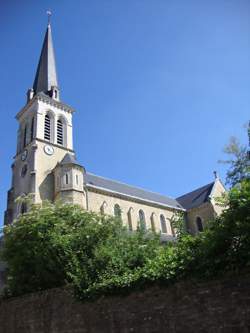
(117, 211)
(60, 132)
(199, 224)
(163, 224)
(142, 221)
(66, 179)
(47, 127)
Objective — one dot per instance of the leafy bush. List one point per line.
(54, 245)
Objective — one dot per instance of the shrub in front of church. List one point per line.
(57, 245)
(222, 249)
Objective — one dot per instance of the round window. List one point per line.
(24, 170)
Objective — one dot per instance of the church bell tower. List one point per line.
(44, 137)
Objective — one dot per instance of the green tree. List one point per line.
(238, 162)
(56, 245)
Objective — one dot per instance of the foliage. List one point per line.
(54, 245)
(177, 222)
(238, 162)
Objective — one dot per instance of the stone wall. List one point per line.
(218, 306)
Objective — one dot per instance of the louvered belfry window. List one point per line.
(59, 132)
(47, 128)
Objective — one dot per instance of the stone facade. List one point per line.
(105, 202)
(206, 211)
(214, 307)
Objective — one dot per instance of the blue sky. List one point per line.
(158, 86)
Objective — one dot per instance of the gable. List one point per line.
(197, 197)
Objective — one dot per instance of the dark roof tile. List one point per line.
(114, 186)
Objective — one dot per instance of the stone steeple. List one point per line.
(46, 77)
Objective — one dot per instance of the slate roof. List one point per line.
(69, 159)
(197, 197)
(127, 190)
(46, 76)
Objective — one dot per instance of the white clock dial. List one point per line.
(24, 155)
(49, 150)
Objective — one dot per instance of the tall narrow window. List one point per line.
(47, 128)
(130, 224)
(24, 136)
(32, 129)
(59, 132)
(152, 220)
(23, 208)
(77, 180)
(142, 222)
(103, 207)
(163, 224)
(117, 211)
(19, 140)
(66, 178)
(172, 228)
(199, 224)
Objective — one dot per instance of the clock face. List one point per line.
(24, 155)
(49, 150)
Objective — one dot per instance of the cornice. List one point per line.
(47, 100)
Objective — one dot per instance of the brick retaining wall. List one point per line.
(218, 306)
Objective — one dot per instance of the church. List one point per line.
(45, 167)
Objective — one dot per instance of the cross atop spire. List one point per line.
(46, 78)
(49, 13)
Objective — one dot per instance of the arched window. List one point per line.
(47, 128)
(25, 136)
(23, 208)
(152, 220)
(172, 228)
(77, 180)
(60, 139)
(199, 224)
(142, 222)
(117, 211)
(66, 178)
(103, 207)
(130, 224)
(163, 224)
(32, 129)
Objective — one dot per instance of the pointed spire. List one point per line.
(46, 78)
